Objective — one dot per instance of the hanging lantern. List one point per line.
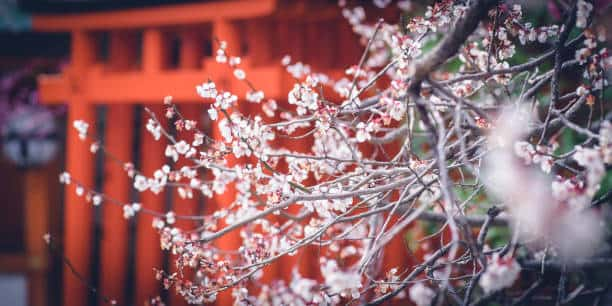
(30, 136)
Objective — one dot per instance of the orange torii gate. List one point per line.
(150, 53)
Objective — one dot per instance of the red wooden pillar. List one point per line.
(184, 206)
(261, 42)
(260, 53)
(79, 163)
(321, 33)
(306, 260)
(148, 252)
(117, 185)
(36, 201)
(226, 31)
(191, 48)
(397, 254)
(231, 240)
(190, 55)
(154, 51)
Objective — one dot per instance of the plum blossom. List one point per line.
(182, 147)
(364, 132)
(591, 159)
(221, 56)
(94, 147)
(305, 288)
(96, 200)
(421, 295)
(382, 3)
(128, 211)
(239, 74)
(581, 91)
(354, 16)
(286, 60)
(234, 61)
(397, 110)
(298, 70)
(171, 152)
(170, 217)
(500, 273)
(207, 90)
(269, 108)
(64, 178)
(225, 100)
(405, 5)
(388, 284)
(79, 190)
(345, 283)
(212, 114)
(255, 96)
(540, 154)
(583, 13)
(81, 127)
(154, 128)
(304, 97)
(508, 179)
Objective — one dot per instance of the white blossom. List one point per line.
(583, 13)
(96, 200)
(154, 128)
(170, 217)
(64, 178)
(239, 74)
(171, 152)
(182, 147)
(500, 273)
(421, 295)
(81, 127)
(255, 96)
(140, 183)
(128, 211)
(341, 282)
(212, 113)
(382, 3)
(79, 190)
(286, 60)
(207, 90)
(581, 91)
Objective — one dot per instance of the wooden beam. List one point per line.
(164, 15)
(128, 87)
(15, 263)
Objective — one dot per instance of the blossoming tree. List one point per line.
(444, 122)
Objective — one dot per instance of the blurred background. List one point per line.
(103, 61)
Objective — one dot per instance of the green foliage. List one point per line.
(411, 241)
(605, 185)
(498, 236)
